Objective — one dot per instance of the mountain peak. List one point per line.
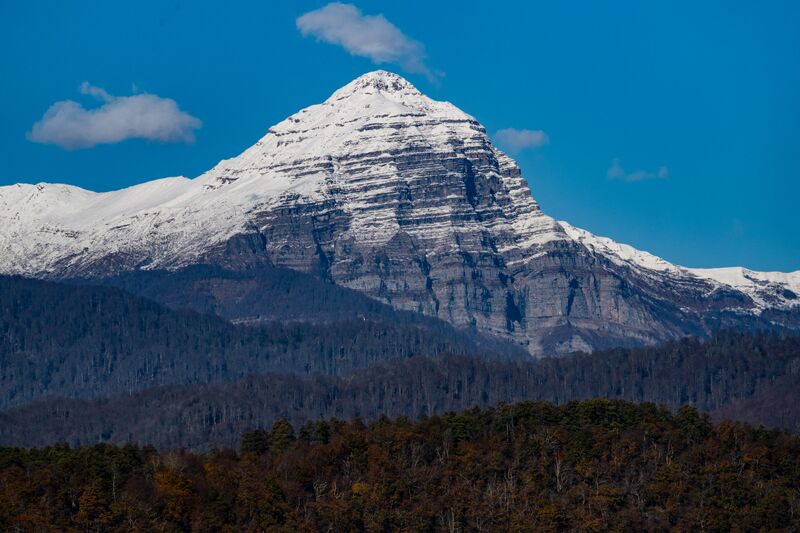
(377, 81)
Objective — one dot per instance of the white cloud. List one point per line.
(515, 140)
(97, 92)
(370, 36)
(616, 172)
(142, 116)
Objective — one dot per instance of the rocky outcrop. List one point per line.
(403, 198)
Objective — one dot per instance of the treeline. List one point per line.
(87, 341)
(597, 465)
(730, 376)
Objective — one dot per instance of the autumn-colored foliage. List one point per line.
(596, 465)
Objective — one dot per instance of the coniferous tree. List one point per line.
(282, 435)
(256, 442)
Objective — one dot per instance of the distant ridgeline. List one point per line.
(87, 364)
(596, 465)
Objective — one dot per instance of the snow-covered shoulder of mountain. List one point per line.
(159, 221)
(75, 207)
(618, 252)
(746, 280)
(766, 289)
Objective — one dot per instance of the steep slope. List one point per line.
(405, 199)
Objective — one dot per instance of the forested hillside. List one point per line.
(260, 294)
(728, 376)
(86, 341)
(597, 465)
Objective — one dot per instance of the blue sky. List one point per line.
(673, 126)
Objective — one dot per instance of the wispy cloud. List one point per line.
(616, 172)
(142, 116)
(515, 140)
(370, 36)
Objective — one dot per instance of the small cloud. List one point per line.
(370, 36)
(97, 92)
(616, 172)
(142, 116)
(515, 140)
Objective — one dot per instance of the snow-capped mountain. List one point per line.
(386, 191)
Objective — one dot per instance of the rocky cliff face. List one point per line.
(403, 198)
